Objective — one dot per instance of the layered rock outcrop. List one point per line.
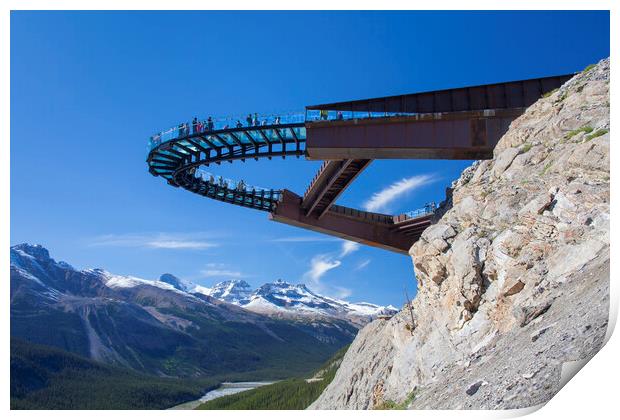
(513, 278)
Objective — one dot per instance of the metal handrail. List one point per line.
(429, 208)
(229, 183)
(255, 121)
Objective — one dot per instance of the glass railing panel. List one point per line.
(286, 134)
(279, 133)
(335, 115)
(166, 157)
(228, 139)
(213, 140)
(268, 132)
(300, 132)
(167, 153)
(160, 167)
(187, 145)
(255, 135)
(177, 149)
(205, 125)
(429, 208)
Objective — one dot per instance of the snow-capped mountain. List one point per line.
(54, 280)
(237, 292)
(285, 299)
(142, 324)
(177, 283)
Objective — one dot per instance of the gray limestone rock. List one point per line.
(513, 278)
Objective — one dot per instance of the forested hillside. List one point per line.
(291, 394)
(43, 377)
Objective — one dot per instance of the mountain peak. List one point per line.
(174, 281)
(237, 282)
(281, 297)
(34, 250)
(231, 291)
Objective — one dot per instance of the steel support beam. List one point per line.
(331, 181)
(504, 95)
(358, 229)
(462, 135)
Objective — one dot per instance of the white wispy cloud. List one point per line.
(362, 264)
(381, 200)
(342, 292)
(157, 240)
(222, 273)
(348, 247)
(177, 244)
(319, 265)
(307, 238)
(215, 265)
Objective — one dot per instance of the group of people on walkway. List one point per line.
(208, 125)
(200, 126)
(185, 129)
(324, 115)
(229, 184)
(253, 121)
(197, 126)
(221, 182)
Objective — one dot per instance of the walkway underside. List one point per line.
(377, 230)
(331, 180)
(463, 123)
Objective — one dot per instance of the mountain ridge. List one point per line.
(284, 299)
(153, 327)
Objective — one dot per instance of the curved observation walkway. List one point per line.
(461, 123)
(177, 154)
(180, 155)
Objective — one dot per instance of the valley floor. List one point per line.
(44, 377)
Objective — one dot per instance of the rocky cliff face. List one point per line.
(513, 279)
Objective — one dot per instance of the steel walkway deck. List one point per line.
(462, 123)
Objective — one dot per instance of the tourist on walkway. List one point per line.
(249, 120)
(195, 125)
(323, 114)
(255, 120)
(278, 120)
(339, 115)
(199, 126)
(210, 124)
(239, 125)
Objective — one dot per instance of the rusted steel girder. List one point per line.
(377, 230)
(331, 180)
(453, 135)
(505, 95)
(459, 123)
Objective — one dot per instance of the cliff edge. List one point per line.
(513, 278)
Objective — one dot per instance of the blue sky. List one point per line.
(88, 88)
